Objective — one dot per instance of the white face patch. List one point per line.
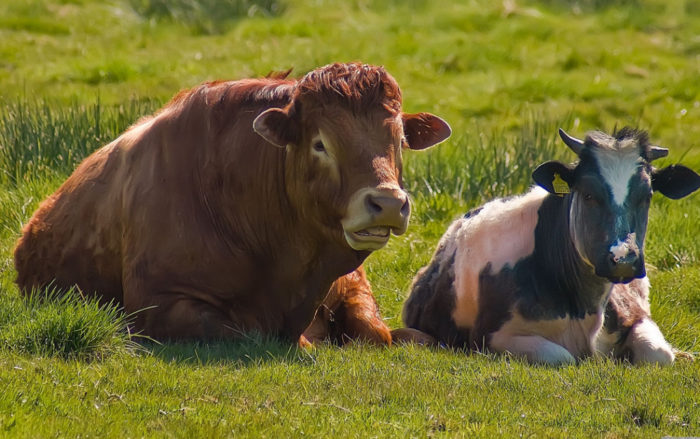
(617, 166)
(621, 249)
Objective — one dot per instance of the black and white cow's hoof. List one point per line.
(648, 345)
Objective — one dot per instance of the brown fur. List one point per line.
(202, 227)
(349, 312)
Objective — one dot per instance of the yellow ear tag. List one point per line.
(560, 186)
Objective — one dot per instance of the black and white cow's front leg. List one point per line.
(629, 332)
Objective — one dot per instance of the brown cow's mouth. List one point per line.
(371, 238)
(380, 232)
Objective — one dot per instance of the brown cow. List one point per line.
(236, 206)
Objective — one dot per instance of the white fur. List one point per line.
(617, 166)
(621, 249)
(648, 345)
(501, 234)
(534, 348)
(576, 336)
(605, 343)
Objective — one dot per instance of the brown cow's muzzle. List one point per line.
(373, 214)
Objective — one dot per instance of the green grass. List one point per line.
(505, 75)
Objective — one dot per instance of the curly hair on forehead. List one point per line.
(626, 138)
(355, 86)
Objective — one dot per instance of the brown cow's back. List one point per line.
(151, 190)
(53, 251)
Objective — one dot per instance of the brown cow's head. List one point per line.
(344, 131)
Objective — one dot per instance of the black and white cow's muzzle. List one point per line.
(624, 261)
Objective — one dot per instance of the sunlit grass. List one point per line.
(505, 75)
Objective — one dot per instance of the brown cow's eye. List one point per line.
(318, 146)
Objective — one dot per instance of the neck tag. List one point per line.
(561, 187)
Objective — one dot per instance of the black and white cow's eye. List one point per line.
(319, 147)
(587, 197)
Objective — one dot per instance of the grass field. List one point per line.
(504, 74)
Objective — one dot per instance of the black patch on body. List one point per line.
(432, 300)
(473, 212)
(549, 284)
(615, 323)
(496, 296)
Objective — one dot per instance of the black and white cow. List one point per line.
(536, 275)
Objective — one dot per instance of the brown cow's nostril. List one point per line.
(373, 205)
(406, 208)
(386, 205)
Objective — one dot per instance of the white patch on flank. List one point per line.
(648, 344)
(617, 166)
(622, 248)
(502, 233)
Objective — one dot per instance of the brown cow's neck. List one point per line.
(273, 229)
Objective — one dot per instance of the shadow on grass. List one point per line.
(251, 350)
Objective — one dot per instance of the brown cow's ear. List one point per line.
(423, 130)
(276, 126)
(554, 176)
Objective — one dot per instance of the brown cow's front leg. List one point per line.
(349, 312)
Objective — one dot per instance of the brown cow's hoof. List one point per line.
(305, 343)
(409, 335)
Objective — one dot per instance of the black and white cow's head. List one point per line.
(609, 190)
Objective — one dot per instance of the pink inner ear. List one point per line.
(423, 130)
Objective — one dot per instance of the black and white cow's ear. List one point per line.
(675, 181)
(423, 130)
(277, 126)
(555, 177)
